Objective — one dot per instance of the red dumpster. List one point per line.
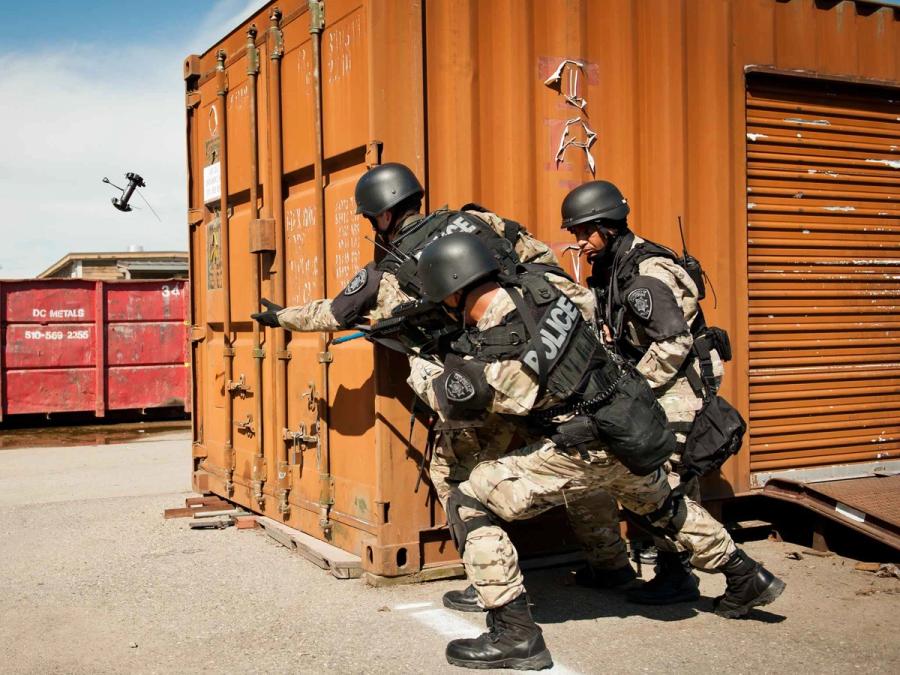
(70, 345)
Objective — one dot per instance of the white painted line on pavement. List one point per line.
(413, 605)
(448, 623)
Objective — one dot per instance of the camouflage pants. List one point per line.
(594, 517)
(538, 477)
(681, 405)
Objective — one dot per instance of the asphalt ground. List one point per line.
(94, 580)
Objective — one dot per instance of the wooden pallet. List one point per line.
(341, 564)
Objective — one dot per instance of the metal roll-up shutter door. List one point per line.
(823, 181)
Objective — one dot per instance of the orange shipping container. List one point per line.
(688, 105)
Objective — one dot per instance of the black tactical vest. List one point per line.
(548, 334)
(410, 241)
(625, 268)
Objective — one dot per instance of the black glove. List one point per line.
(270, 316)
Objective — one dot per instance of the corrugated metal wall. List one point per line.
(824, 273)
(662, 83)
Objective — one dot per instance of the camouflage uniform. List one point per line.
(318, 315)
(594, 518)
(662, 361)
(595, 521)
(540, 476)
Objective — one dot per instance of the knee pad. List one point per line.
(670, 517)
(459, 528)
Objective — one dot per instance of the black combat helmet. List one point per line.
(452, 263)
(384, 186)
(592, 201)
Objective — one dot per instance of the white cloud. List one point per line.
(71, 116)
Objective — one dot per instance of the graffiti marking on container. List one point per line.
(341, 40)
(347, 257)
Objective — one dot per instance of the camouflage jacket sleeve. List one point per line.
(311, 317)
(422, 374)
(528, 248)
(318, 315)
(664, 358)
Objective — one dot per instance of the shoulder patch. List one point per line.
(458, 388)
(357, 282)
(641, 302)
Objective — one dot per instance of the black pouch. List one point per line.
(721, 342)
(633, 425)
(715, 436)
(578, 431)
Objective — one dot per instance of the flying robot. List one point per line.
(135, 181)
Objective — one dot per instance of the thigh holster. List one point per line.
(459, 528)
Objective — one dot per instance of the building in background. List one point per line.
(133, 264)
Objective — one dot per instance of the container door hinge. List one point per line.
(373, 153)
(198, 333)
(195, 217)
(240, 386)
(246, 426)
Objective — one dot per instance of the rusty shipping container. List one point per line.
(689, 105)
(79, 346)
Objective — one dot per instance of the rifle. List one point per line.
(414, 327)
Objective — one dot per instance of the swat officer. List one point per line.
(531, 352)
(649, 302)
(390, 197)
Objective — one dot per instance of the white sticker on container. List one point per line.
(212, 182)
(850, 512)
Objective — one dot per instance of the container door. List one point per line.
(332, 492)
(824, 273)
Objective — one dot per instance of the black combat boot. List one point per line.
(595, 577)
(465, 600)
(513, 640)
(748, 585)
(674, 582)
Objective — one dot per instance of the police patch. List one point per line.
(357, 282)
(459, 388)
(641, 302)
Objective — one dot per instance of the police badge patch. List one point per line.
(357, 282)
(459, 388)
(641, 302)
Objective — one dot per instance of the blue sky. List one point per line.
(94, 89)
